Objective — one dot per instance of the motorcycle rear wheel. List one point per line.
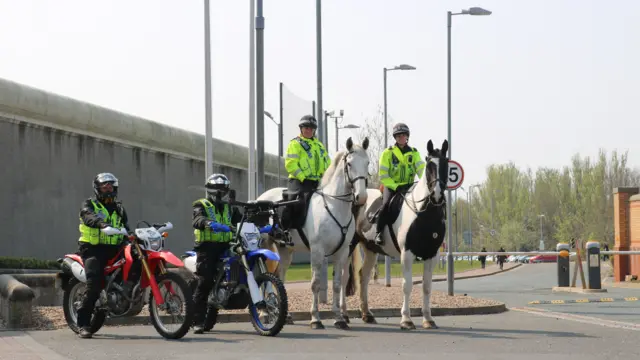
(70, 312)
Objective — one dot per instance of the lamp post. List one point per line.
(387, 259)
(259, 26)
(208, 141)
(541, 236)
(470, 11)
(335, 118)
(279, 124)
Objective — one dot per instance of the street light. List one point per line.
(208, 140)
(541, 237)
(387, 259)
(279, 124)
(470, 11)
(335, 118)
(384, 71)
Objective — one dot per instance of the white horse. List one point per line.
(418, 231)
(329, 226)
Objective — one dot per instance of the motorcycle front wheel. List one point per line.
(277, 306)
(173, 303)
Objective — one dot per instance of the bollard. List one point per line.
(593, 264)
(563, 264)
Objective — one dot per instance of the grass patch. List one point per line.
(302, 272)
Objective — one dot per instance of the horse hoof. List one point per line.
(407, 325)
(369, 319)
(342, 325)
(346, 319)
(316, 325)
(429, 324)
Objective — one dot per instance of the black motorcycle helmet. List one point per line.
(99, 181)
(217, 185)
(308, 121)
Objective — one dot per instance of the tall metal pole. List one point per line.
(280, 134)
(260, 97)
(319, 116)
(208, 140)
(470, 228)
(450, 269)
(252, 102)
(387, 259)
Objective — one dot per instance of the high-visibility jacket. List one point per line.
(214, 215)
(306, 159)
(94, 236)
(396, 169)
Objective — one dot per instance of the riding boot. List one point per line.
(379, 239)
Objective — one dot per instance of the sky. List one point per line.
(535, 82)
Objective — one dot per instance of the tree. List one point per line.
(373, 128)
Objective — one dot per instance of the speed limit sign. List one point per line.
(456, 175)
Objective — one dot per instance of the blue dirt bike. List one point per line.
(243, 280)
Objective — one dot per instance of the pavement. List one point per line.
(582, 331)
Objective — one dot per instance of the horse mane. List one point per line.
(332, 168)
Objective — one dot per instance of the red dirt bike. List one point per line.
(146, 244)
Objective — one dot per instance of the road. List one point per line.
(532, 282)
(515, 335)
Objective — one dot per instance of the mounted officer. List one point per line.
(398, 166)
(306, 161)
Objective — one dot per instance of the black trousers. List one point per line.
(387, 195)
(306, 186)
(209, 254)
(95, 258)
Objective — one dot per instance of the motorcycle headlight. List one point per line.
(155, 244)
(252, 240)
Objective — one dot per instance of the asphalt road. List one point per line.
(531, 282)
(576, 331)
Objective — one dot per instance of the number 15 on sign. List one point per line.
(456, 175)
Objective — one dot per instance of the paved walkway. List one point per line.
(488, 270)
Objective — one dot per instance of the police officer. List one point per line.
(306, 160)
(212, 219)
(96, 248)
(397, 169)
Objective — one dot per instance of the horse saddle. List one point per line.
(294, 216)
(393, 210)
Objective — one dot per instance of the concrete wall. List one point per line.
(51, 147)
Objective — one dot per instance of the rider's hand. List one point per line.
(266, 229)
(224, 228)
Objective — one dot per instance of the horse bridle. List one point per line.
(414, 208)
(352, 199)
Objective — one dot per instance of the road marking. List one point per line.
(581, 301)
(579, 318)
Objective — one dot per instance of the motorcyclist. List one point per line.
(306, 162)
(213, 220)
(96, 248)
(398, 166)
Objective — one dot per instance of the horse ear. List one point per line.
(429, 147)
(349, 143)
(445, 147)
(365, 143)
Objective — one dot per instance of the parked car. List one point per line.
(543, 258)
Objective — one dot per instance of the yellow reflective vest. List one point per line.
(214, 215)
(396, 168)
(94, 236)
(306, 159)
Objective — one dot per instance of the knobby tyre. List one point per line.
(187, 304)
(282, 306)
(70, 312)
